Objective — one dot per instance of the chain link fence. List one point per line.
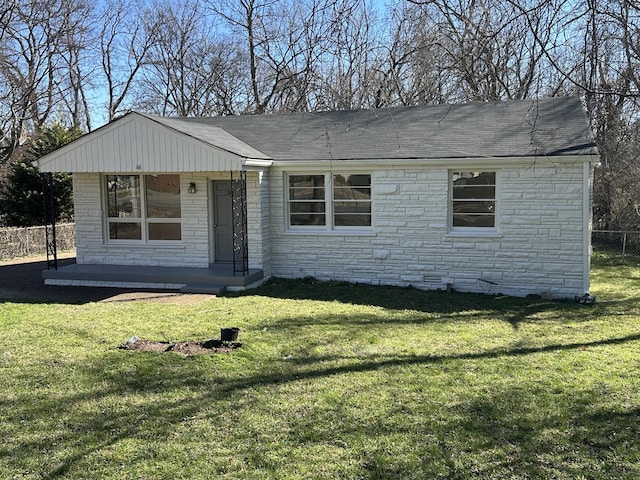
(24, 242)
(616, 243)
(29, 241)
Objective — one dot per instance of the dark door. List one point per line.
(222, 221)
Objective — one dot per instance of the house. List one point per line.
(481, 197)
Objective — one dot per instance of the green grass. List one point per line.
(333, 381)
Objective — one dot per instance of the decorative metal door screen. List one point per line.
(239, 209)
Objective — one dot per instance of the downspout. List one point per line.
(587, 216)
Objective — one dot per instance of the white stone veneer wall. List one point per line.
(538, 248)
(193, 250)
(258, 224)
(91, 244)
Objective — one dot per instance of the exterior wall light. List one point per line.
(192, 188)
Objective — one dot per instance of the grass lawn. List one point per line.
(333, 381)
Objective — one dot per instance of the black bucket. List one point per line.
(229, 334)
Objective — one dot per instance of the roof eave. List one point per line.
(514, 161)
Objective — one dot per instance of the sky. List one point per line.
(98, 99)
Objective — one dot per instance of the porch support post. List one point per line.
(239, 207)
(50, 221)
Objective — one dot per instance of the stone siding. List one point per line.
(540, 244)
(537, 247)
(258, 225)
(93, 248)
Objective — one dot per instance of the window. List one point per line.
(352, 200)
(143, 207)
(473, 199)
(307, 204)
(347, 205)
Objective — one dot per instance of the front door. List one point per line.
(222, 221)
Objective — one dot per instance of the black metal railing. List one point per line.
(239, 210)
(50, 221)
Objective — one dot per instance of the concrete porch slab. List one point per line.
(212, 280)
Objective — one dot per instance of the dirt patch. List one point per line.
(207, 347)
(172, 298)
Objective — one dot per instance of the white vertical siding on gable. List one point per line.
(140, 145)
(139, 139)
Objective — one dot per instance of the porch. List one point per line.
(213, 280)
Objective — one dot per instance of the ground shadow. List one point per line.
(442, 305)
(388, 297)
(493, 420)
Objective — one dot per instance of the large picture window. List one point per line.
(473, 199)
(329, 201)
(143, 207)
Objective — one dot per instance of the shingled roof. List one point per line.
(522, 128)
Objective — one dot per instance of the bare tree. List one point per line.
(486, 46)
(411, 70)
(250, 19)
(284, 41)
(40, 47)
(609, 77)
(351, 58)
(593, 47)
(124, 48)
(189, 71)
(300, 53)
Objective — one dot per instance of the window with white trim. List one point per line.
(473, 200)
(329, 201)
(143, 207)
